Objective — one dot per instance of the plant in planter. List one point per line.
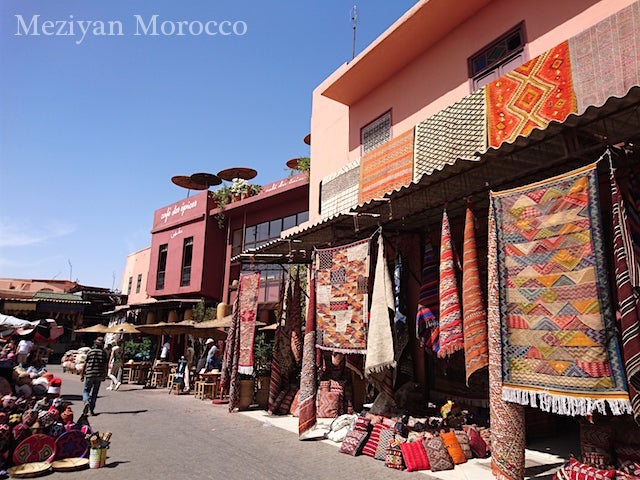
(304, 165)
(239, 187)
(222, 196)
(263, 355)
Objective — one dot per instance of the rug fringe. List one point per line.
(379, 368)
(563, 405)
(245, 370)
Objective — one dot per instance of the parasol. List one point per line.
(165, 328)
(187, 182)
(237, 172)
(97, 328)
(45, 330)
(123, 327)
(293, 163)
(208, 179)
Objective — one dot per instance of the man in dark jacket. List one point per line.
(93, 373)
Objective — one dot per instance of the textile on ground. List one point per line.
(248, 308)
(380, 355)
(307, 399)
(507, 419)
(559, 352)
(450, 322)
(474, 316)
(531, 96)
(342, 282)
(628, 298)
(427, 311)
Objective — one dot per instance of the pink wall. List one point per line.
(137, 264)
(436, 78)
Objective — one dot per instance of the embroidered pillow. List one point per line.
(415, 436)
(415, 456)
(453, 447)
(285, 404)
(476, 443)
(596, 444)
(463, 440)
(386, 435)
(372, 442)
(329, 404)
(354, 442)
(439, 458)
(574, 470)
(393, 458)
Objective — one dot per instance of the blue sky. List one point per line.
(93, 128)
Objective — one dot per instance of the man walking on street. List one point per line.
(93, 373)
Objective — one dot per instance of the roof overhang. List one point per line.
(416, 31)
(577, 141)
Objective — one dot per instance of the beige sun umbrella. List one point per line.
(123, 327)
(167, 328)
(98, 328)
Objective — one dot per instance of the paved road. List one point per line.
(160, 436)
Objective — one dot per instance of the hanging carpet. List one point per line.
(450, 321)
(248, 306)
(229, 377)
(307, 398)
(474, 317)
(427, 312)
(628, 298)
(507, 419)
(342, 282)
(559, 348)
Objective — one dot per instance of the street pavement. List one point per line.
(160, 436)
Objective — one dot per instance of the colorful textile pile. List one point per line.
(427, 313)
(628, 298)
(530, 97)
(307, 399)
(604, 58)
(380, 355)
(474, 323)
(342, 283)
(450, 323)
(248, 311)
(558, 352)
(507, 419)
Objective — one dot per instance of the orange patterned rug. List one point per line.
(531, 96)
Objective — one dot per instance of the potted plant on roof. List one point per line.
(239, 188)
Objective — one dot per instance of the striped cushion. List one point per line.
(415, 456)
(372, 442)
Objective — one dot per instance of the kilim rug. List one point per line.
(229, 377)
(342, 283)
(450, 322)
(294, 314)
(628, 301)
(474, 317)
(507, 419)
(531, 96)
(428, 301)
(248, 308)
(307, 398)
(380, 354)
(386, 168)
(559, 350)
(605, 59)
(282, 361)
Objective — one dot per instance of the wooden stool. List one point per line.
(170, 380)
(208, 390)
(159, 379)
(199, 390)
(126, 374)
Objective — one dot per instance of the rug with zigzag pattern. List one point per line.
(559, 347)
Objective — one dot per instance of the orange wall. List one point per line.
(438, 77)
(137, 263)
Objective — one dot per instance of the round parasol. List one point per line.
(166, 328)
(293, 163)
(307, 139)
(208, 179)
(237, 172)
(98, 328)
(187, 182)
(123, 327)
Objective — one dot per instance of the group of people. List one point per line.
(23, 354)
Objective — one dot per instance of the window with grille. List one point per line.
(162, 266)
(187, 258)
(376, 133)
(499, 57)
(139, 283)
(129, 287)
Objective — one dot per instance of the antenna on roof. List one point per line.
(354, 22)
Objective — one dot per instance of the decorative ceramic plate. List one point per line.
(69, 464)
(71, 444)
(36, 448)
(29, 470)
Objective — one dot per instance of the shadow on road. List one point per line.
(121, 412)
